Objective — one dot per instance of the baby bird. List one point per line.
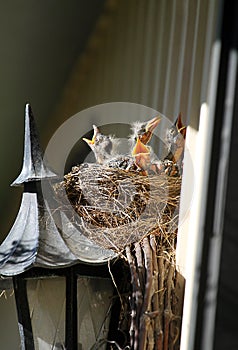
(144, 159)
(175, 140)
(103, 146)
(144, 130)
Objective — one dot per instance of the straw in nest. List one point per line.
(116, 207)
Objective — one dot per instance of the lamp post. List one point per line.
(63, 290)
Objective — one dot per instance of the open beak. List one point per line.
(151, 125)
(139, 148)
(180, 127)
(95, 132)
(141, 153)
(89, 142)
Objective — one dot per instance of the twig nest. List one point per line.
(116, 207)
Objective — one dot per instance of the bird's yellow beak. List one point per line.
(151, 125)
(180, 127)
(141, 153)
(89, 142)
(95, 132)
(139, 148)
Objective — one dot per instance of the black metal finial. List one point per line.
(34, 235)
(33, 168)
(41, 235)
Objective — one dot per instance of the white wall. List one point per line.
(153, 52)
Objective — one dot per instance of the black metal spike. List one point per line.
(33, 168)
(40, 235)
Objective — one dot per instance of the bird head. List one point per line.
(175, 139)
(100, 144)
(177, 132)
(144, 130)
(180, 127)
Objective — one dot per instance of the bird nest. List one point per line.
(115, 207)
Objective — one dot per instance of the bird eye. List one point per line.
(142, 131)
(172, 131)
(99, 138)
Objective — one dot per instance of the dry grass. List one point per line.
(115, 207)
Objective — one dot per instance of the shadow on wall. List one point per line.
(8, 322)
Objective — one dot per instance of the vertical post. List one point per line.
(71, 324)
(23, 312)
